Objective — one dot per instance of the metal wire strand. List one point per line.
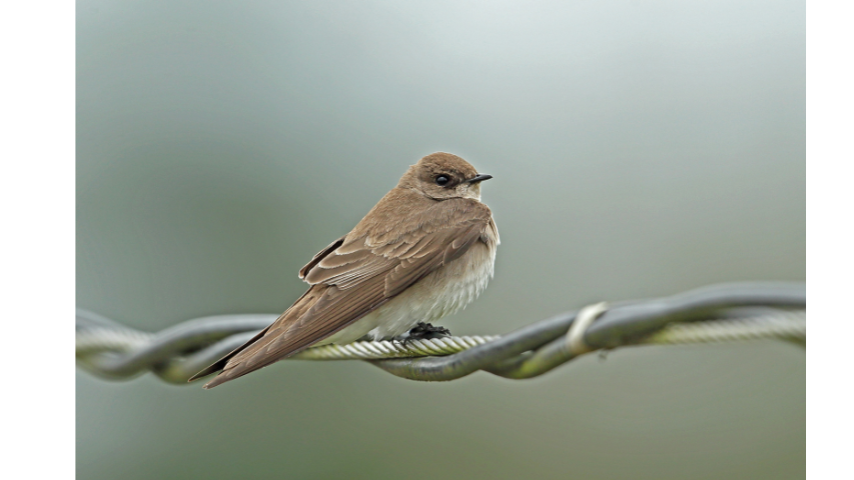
(726, 312)
(780, 325)
(393, 349)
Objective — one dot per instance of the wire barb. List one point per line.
(728, 312)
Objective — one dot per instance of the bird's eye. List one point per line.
(442, 180)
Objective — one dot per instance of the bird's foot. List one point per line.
(425, 331)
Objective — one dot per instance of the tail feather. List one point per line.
(235, 365)
(222, 362)
(246, 359)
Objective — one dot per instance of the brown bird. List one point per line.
(426, 250)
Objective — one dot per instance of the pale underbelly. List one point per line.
(443, 292)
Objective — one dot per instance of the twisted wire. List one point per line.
(98, 340)
(728, 312)
(791, 325)
(781, 325)
(393, 349)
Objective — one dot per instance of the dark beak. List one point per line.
(481, 177)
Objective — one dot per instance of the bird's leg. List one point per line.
(425, 331)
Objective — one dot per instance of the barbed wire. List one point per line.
(727, 312)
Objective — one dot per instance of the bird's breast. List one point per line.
(443, 292)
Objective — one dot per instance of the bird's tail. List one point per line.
(220, 364)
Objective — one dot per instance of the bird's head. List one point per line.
(441, 176)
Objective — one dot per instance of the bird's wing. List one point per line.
(354, 276)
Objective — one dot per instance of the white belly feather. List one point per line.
(443, 292)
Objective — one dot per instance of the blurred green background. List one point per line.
(639, 149)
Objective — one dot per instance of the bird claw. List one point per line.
(424, 331)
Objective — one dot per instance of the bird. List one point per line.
(424, 251)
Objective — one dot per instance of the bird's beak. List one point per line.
(481, 177)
